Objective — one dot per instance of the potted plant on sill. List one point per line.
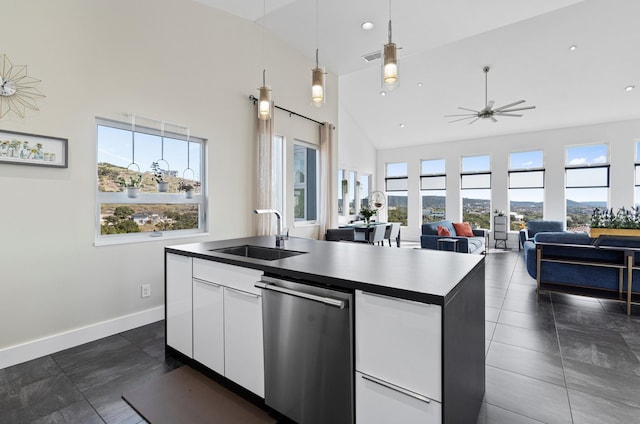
(187, 188)
(132, 185)
(623, 222)
(158, 175)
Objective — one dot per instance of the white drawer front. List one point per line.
(400, 342)
(228, 275)
(380, 404)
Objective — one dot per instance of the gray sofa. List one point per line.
(429, 238)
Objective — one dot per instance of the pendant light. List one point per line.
(264, 100)
(390, 61)
(317, 75)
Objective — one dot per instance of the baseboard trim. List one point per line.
(24, 352)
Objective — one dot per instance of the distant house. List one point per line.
(140, 218)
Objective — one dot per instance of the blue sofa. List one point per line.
(539, 226)
(429, 238)
(597, 281)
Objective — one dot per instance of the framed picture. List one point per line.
(30, 149)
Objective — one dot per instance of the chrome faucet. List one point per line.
(280, 238)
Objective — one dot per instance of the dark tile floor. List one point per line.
(562, 359)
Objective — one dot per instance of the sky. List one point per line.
(115, 147)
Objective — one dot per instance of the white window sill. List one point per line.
(144, 237)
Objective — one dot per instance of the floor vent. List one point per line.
(370, 57)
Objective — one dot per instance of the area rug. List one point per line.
(187, 396)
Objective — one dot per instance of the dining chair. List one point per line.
(393, 232)
(378, 234)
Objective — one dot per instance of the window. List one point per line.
(526, 188)
(586, 183)
(342, 191)
(637, 168)
(305, 182)
(364, 188)
(352, 193)
(475, 185)
(433, 185)
(123, 153)
(397, 184)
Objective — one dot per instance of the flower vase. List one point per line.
(133, 192)
(163, 186)
(188, 194)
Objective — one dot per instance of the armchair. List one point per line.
(539, 226)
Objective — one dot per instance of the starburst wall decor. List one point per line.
(17, 89)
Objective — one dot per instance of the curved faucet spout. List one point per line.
(279, 235)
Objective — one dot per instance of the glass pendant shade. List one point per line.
(264, 100)
(390, 64)
(317, 87)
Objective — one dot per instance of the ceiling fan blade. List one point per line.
(474, 120)
(518, 108)
(508, 114)
(509, 105)
(494, 119)
(470, 110)
(462, 119)
(463, 114)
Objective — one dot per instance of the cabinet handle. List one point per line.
(208, 283)
(396, 388)
(242, 292)
(413, 302)
(326, 300)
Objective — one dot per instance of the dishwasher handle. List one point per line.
(326, 300)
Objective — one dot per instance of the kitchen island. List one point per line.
(418, 319)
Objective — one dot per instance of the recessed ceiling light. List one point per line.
(401, 125)
(419, 84)
(573, 48)
(629, 88)
(367, 25)
(383, 93)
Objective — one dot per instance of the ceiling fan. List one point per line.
(488, 112)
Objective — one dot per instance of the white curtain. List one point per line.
(265, 196)
(328, 211)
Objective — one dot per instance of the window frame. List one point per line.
(305, 222)
(435, 176)
(120, 197)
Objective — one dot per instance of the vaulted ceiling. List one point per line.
(445, 45)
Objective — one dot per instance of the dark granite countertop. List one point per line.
(423, 275)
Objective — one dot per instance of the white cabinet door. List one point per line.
(208, 325)
(400, 342)
(380, 403)
(244, 359)
(178, 301)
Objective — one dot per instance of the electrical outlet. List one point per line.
(145, 290)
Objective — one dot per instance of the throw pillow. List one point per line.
(463, 229)
(442, 231)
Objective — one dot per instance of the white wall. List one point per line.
(620, 136)
(173, 60)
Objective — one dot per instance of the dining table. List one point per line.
(364, 232)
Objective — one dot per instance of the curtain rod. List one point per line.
(254, 99)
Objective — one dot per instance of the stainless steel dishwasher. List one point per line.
(308, 351)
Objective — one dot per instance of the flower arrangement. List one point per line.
(622, 218)
(367, 213)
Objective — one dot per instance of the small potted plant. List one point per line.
(132, 185)
(187, 188)
(158, 175)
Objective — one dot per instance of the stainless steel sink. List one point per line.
(258, 252)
